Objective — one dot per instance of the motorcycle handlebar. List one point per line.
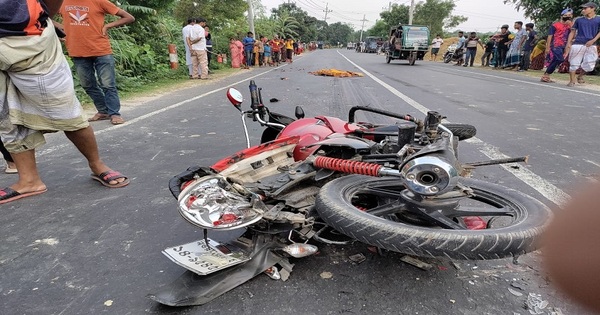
(255, 99)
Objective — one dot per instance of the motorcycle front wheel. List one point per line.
(447, 58)
(382, 213)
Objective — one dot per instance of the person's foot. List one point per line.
(116, 120)
(101, 168)
(11, 168)
(99, 116)
(570, 84)
(21, 190)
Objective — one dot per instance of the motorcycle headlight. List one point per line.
(211, 202)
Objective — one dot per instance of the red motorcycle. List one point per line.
(398, 187)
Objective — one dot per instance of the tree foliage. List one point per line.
(435, 14)
(544, 12)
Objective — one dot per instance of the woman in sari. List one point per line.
(237, 52)
(537, 56)
(513, 56)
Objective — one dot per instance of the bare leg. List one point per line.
(29, 179)
(573, 78)
(85, 141)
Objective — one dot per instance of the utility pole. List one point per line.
(326, 11)
(362, 27)
(411, 12)
(251, 16)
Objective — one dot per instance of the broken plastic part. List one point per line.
(300, 250)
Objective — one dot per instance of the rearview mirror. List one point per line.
(235, 97)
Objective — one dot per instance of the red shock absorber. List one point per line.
(348, 166)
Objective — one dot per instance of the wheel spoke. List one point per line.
(443, 221)
(469, 211)
(389, 208)
(381, 192)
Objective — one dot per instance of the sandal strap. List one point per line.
(111, 175)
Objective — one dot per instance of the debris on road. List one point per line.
(326, 275)
(415, 262)
(337, 73)
(358, 258)
(535, 304)
(515, 292)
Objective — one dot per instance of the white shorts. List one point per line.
(584, 57)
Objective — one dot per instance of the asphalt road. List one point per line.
(82, 248)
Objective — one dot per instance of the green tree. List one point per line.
(398, 14)
(216, 12)
(307, 29)
(544, 12)
(437, 15)
(338, 33)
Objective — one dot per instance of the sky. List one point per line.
(484, 16)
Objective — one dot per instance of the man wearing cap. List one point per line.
(581, 45)
(556, 42)
(197, 42)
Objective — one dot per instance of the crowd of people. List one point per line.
(570, 46)
(250, 52)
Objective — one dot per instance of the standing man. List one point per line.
(38, 97)
(289, 49)
(89, 47)
(275, 44)
(556, 43)
(248, 42)
(209, 47)
(186, 33)
(528, 47)
(502, 46)
(460, 48)
(471, 46)
(197, 43)
(487, 53)
(582, 51)
(435, 47)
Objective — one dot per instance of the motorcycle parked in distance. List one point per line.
(452, 54)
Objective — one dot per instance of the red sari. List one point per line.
(237, 53)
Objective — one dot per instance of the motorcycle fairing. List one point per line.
(254, 151)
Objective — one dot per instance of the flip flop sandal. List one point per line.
(116, 120)
(546, 80)
(580, 80)
(108, 176)
(571, 84)
(8, 194)
(99, 116)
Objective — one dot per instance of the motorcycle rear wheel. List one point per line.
(396, 229)
(447, 58)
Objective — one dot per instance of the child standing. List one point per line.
(267, 53)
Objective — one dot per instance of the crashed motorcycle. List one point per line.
(322, 180)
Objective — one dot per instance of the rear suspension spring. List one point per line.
(348, 166)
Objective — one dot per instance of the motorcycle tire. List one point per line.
(462, 131)
(447, 58)
(412, 237)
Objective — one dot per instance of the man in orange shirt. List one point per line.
(89, 47)
(38, 97)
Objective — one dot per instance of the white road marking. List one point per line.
(548, 190)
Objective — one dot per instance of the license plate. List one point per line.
(202, 259)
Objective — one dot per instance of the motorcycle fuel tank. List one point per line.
(313, 130)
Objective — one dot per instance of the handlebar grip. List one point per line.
(255, 101)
